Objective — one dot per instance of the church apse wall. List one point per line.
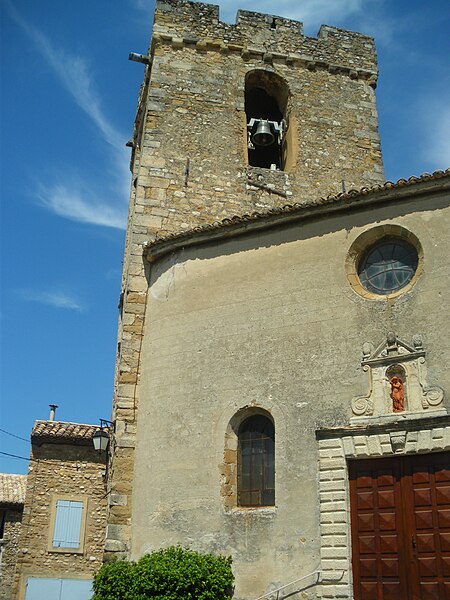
(270, 324)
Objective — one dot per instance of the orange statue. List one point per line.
(397, 394)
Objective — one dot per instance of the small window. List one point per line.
(2, 523)
(2, 534)
(67, 525)
(388, 266)
(256, 462)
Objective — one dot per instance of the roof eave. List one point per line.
(237, 226)
(39, 440)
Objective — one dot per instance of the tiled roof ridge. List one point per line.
(65, 423)
(63, 429)
(297, 206)
(12, 488)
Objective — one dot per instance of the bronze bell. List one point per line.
(263, 135)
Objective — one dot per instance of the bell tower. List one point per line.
(232, 119)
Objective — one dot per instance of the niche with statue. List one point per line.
(397, 381)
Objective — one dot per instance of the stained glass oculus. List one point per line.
(388, 266)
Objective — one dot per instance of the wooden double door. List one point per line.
(400, 519)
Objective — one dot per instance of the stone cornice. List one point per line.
(252, 53)
(401, 424)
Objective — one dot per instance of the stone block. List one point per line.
(115, 546)
(117, 532)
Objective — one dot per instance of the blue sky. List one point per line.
(68, 98)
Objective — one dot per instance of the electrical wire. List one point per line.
(75, 466)
(16, 456)
(14, 435)
(37, 460)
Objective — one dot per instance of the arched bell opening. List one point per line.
(266, 108)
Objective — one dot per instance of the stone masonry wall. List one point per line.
(61, 469)
(9, 550)
(189, 161)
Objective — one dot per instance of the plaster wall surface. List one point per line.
(267, 320)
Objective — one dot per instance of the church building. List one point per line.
(282, 381)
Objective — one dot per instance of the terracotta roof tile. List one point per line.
(12, 488)
(60, 430)
(298, 207)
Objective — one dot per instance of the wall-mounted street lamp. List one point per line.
(100, 439)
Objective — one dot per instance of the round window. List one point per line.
(387, 266)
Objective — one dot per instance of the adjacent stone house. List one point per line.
(64, 518)
(282, 376)
(12, 498)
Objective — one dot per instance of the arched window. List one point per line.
(256, 462)
(266, 109)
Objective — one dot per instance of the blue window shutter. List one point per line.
(43, 587)
(67, 531)
(58, 589)
(76, 589)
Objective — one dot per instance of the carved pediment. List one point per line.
(397, 383)
(392, 350)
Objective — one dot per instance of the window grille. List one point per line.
(256, 462)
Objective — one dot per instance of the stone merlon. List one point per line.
(195, 23)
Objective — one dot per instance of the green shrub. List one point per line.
(114, 581)
(166, 575)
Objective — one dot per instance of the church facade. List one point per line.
(282, 384)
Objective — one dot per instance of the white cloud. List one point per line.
(381, 27)
(142, 5)
(311, 12)
(113, 274)
(73, 74)
(55, 298)
(73, 204)
(436, 134)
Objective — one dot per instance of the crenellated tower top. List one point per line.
(198, 24)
